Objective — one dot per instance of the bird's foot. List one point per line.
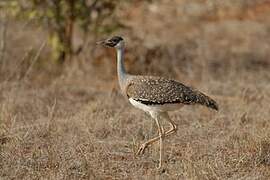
(142, 148)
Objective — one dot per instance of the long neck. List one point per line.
(121, 71)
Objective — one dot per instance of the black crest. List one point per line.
(113, 41)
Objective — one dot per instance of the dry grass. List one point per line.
(75, 124)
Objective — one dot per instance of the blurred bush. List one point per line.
(61, 17)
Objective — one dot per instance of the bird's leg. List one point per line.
(172, 130)
(142, 148)
(161, 136)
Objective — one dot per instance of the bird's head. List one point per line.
(114, 42)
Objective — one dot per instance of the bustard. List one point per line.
(155, 95)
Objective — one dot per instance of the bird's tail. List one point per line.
(206, 101)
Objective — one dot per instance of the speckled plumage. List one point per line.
(151, 90)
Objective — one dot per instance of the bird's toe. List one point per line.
(141, 150)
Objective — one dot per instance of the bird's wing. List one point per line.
(151, 90)
(157, 90)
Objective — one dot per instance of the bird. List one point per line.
(155, 95)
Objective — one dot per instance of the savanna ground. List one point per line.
(73, 123)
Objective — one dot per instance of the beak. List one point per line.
(101, 42)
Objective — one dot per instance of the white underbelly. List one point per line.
(150, 108)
